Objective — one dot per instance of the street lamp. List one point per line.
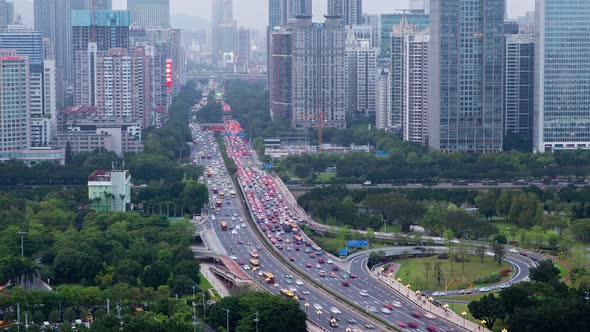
(306, 305)
(226, 318)
(319, 312)
(399, 279)
(193, 287)
(504, 330)
(333, 323)
(464, 314)
(430, 299)
(483, 322)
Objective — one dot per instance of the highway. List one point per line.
(239, 242)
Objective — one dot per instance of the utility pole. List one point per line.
(22, 239)
(256, 320)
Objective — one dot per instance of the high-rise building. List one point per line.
(14, 103)
(277, 13)
(149, 13)
(519, 85)
(383, 108)
(25, 41)
(243, 50)
(93, 33)
(409, 63)
(87, 4)
(319, 78)
(53, 19)
(351, 11)
(299, 9)
(43, 103)
(280, 72)
(109, 190)
(362, 72)
(6, 13)
(420, 6)
(466, 58)
(562, 75)
(374, 22)
(223, 33)
(387, 22)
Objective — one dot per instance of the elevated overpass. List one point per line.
(221, 76)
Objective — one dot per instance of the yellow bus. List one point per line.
(253, 262)
(268, 275)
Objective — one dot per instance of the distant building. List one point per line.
(350, 11)
(409, 62)
(562, 75)
(149, 13)
(25, 41)
(387, 21)
(109, 190)
(6, 13)
(465, 89)
(15, 121)
(280, 72)
(383, 110)
(362, 72)
(519, 85)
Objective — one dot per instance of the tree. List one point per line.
(552, 239)
(376, 257)
(486, 203)
(488, 308)
(370, 236)
(194, 196)
(156, 274)
(545, 272)
(499, 252)
(581, 229)
(503, 203)
(481, 252)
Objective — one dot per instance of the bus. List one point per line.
(268, 275)
(317, 249)
(253, 262)
(232, 194)
(223, 225)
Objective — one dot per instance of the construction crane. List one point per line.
(320, 118)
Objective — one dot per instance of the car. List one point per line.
(388, 306)
(312, 255)
(429, 315)
(484, 289)
(289, 249)
(307, 250)
(234, 257)
(321, 261)
(396, 304)
(246, 267)
(308, 265)
(306, 292)
(351, 321)
(299, 282)
(345, 283)
(318, 266)
(292, 259)
(432, 328)
(298, 248)
(243, 224)
(353, 276)
(439, 294)
(401, 324)
(504, 286)
(289, 281)
(385, 311)
(413, 323)
(317, 306)
(234, 232)
(288, 276)
(335, 268)
(372, 309)
(363, 293)
(333, 275)
(241, 262)
(344, 275)
(322, 273)
(417, 314)
(369, 326)
(330, 261)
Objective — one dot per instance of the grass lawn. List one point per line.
(420, 272)
(459, 308)
(390, 229)
(465, 297)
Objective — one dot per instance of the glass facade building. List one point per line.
(149, 13)
(562, 83)
(519, 85)
(466, 59)
(388, 21)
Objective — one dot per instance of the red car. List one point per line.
(413, 324)
(432, 328)
(312, 255)
(321, 261)
(335, 268)
(308, 265)
(345, 283)
(417, 314)
(297, 248)
(401, 324)
(389, 306)
(292, 259)
(353, 276)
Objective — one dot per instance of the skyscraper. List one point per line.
(280, 74)
(319, 74)
(383, 95)
(93, 33)
(299, 8)
(409, 62)
(243, 50)
(53, 19)
(14, 103)
(24, 41)
(519, 86)
(149, 13)
(351, 11)
(466, 75)
(387, 21)
(362, 73)
(277, 13)
(6, 13)
(562, 75)
(223, 31)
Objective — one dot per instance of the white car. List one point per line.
(363, 293)
(299, 282)
(330, 261)
(385, 311)
(234, 257)
(484, 289)
(246, 267)
(234, 232)
(317, 306)
(305, 292)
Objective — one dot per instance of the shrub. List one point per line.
(505, 272)
(494, 277)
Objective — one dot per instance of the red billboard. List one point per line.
(11, 58)
(169, 73)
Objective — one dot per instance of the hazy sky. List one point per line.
(254, 13)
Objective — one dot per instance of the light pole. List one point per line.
(203, 294)
(22, 247)
(306, 305)
(193, 287)
(256, 320)
(464, 314)
(319, 312)
(483, 322)
(333, 323)
(226, 318)
(504, 330)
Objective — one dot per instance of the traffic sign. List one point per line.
(357, 243)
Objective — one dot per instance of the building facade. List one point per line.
(109, 190)
(14, 103)
(280, 72)
(351, 11)
(362, 73)
(519, 85)
(466, 75)
(387, 21)
(562, 81)
(319, 78)
(383, 114)
(43, 103)
(409, 62)
(149, 13)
